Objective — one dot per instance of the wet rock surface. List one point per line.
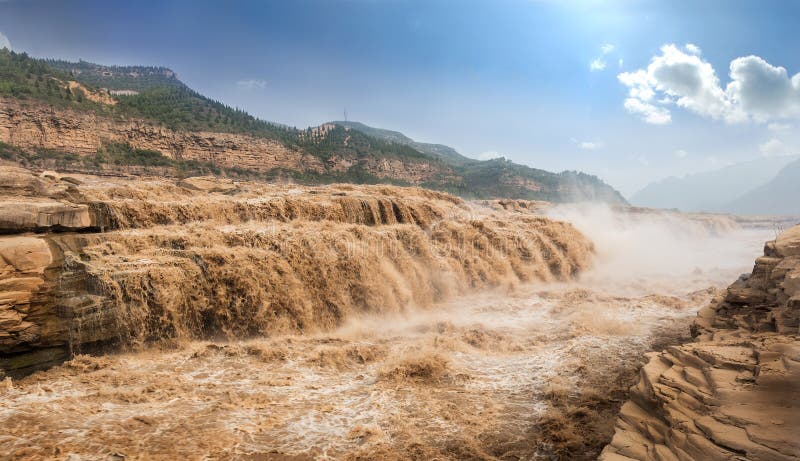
(534, 373)
(89, 262)
(208, 184)
(733, 393)
(344, 321)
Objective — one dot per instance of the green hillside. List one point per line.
(24, 78)
(156, 94)
(181, 108)
(131, 78)
(436, 150)
(496, 178)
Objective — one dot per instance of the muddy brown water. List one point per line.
(479, 376)
(463, 380)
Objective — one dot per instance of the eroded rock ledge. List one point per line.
(733, 393)
(89, 262)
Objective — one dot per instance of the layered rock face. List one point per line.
(83, 133)
(89, 262)
(733, 393)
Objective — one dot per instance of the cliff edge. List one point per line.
(88, 262)
(733, 393)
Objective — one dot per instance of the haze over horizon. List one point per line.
(631, 92)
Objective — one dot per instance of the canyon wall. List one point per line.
(733, 393)
(89, 262)
(33, 125)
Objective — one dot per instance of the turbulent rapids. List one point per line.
(253, 321)
(192, 262)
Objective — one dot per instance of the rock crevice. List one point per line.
(733, 393)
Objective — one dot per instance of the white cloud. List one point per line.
(4, 42)
(693, 49)
(597, 64)
(620, 62)
(764, 91)
(639, 85)
(758, 91)
(649, 112)
(680, 153)
(587, 145)
(774, 148)
(489, 155)
(252, 84)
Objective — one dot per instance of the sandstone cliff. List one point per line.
(34, 125)
(89, 262)
(733, 393)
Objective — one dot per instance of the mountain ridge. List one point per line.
(118, 78)
(778, 196)
(438, 150)
(712, 190)
(150, 109)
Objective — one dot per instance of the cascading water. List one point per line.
(349, 322)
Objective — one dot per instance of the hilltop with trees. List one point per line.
(156, 95)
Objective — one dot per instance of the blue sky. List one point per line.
(502, 77)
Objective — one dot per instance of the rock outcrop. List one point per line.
(31, 126)
(208, 184)
(733, 393)
(89, 262)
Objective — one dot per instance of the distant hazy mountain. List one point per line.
(781, 195)
(711, 190)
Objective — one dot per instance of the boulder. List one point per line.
(19, 215)
(20, 182)
(23, 261)
(26, 254)
(208, 184)
(56, 176)
(788, 243)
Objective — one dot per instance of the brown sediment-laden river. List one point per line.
(531, 367)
